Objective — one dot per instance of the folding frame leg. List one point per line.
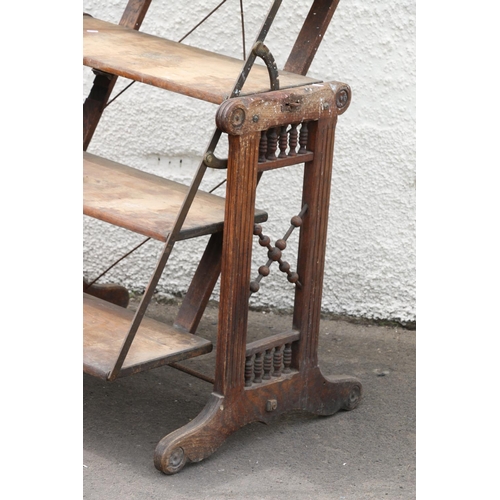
(201, 287)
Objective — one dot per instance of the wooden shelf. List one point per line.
(145, 203)
(170, 65)
(105, 327)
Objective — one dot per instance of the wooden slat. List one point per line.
(145, 203)
(270, 342)
(170, 65)
(105, 326)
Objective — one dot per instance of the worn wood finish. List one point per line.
(170, 65)
(285, 162)
(242, 115)
(103, 85)
(272, 341)
(310, 36)
(110, 292)
(201, 287)
(257, 381)
(232, 405)
(134, 13)
(156, 344)
(223, 415)
(312, 241)
(146, 203)
(236, 262)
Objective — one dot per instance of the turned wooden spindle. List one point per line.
(248, 371)
(287, 358)
(262, 147)
(257, 367)
(283, 141)
(304, 135)
(293, 140)
(268, 364)
(277, 361)
(272, 144)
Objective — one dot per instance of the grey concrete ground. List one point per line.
(365, 453)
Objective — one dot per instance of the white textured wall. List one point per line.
(370, 269)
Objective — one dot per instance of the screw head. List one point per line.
(342, 98)
(238, 117)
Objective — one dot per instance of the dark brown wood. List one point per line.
(269, 342)
(264, 402)
(266, 378)
(312, 241)
(171, 65)
(134, 13)
(241, 393)
(156, 344)
(201, 287)
(236, 262)
(285, 162)
(265, 111)
(116, 294)
(311, 35)
(94, 105)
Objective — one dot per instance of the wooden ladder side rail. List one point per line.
(103, 85)
(310, 36)
(162, 261)
(195, 184)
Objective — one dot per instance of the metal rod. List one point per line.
(243, 30)
(203, 20)
(116, 262)
(119, 94)
(180, 40)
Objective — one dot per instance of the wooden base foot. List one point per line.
(264, 402)
(198, 439)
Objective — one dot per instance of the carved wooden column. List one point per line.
(236, 262)
(312, 241)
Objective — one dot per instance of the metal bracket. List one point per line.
(210, 160)
(261, 50)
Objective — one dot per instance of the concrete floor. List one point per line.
(369, 452)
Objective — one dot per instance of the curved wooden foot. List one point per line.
(198, 439)
(222, 416)
(327, 395)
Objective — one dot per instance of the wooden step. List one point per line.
(105, 327)
(170, 65)
(145, 203)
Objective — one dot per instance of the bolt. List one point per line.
(342, 98)
(238, 117)
(271, 405)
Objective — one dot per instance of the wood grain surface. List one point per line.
(170, 65)
(105, 326)
(146, 203)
